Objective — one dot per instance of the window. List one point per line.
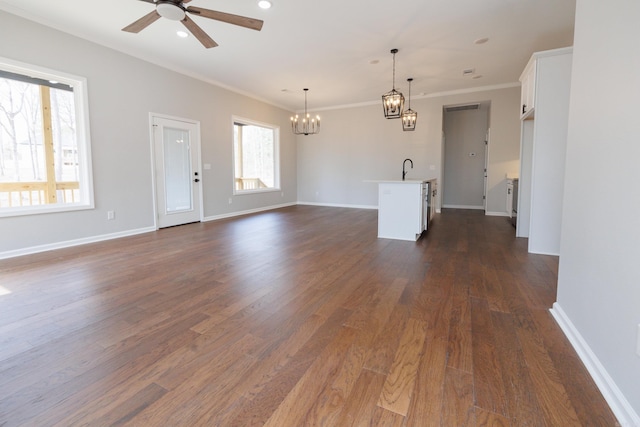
(44, 144)
(256, 156)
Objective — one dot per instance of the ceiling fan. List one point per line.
(176, 11)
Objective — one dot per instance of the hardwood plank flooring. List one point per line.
(400, 382)
(294, 317)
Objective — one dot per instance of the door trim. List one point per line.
(487, 144)
(196, 141)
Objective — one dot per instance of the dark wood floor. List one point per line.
(293, 317)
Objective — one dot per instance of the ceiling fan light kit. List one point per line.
(176, 11)
(170, 11)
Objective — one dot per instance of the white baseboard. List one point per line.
(505, 214)
(337, 205)
(247, 212)
(537, 252)
(75, 242)
(620, 406)
(462, 207)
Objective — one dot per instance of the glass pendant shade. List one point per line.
(409, 117)
(305, 125)
(393, 101)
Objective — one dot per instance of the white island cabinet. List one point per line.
(404, 209)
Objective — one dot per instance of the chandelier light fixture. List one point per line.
(409, 117)
(305, 125)
(393, 101)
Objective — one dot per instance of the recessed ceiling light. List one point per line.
(477, 76)
(468, 71)
(264, 4)
(374, 61)
(482, 40)
(182, 34)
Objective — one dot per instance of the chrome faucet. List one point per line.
(403, 163)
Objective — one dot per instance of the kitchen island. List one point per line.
(405, 208)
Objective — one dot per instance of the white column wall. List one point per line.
(599, 278)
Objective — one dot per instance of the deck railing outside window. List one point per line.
(14, 194)
(39, 150)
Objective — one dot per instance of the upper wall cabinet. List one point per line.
(528, 94)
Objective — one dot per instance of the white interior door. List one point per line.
(177, 171)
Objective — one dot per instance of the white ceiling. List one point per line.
(329, 45)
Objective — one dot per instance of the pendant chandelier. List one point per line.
(393, 102)
(409, 117)
(308, 125)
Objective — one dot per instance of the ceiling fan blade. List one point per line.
(198, 33)
(142, 23)
(151, 1)
(243, 21)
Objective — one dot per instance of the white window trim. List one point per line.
(276, 130)
(81, 100)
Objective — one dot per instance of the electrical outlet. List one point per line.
(282, 194)
(111, 215)
(230, 200)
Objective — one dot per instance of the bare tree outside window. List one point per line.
(41, 163)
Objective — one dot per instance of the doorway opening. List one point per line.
(465, 154)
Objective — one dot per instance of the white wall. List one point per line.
(358, 144)
(122, 92)
(599, 278)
